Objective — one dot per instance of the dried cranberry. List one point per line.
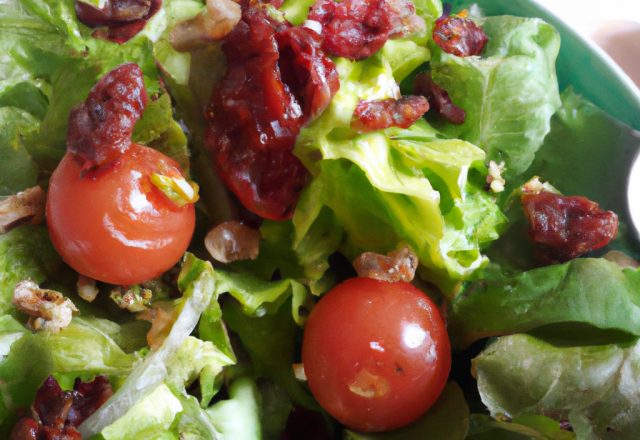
(100, 128)
(385, 113)
(123, 18)
(25, 429)
(438, 98)
(277, 77)
(356, 29)
(59, 412)
(459, 36)
(565, 227)
(87, 398)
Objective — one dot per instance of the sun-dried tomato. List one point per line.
(384, 113)
(356, 29)
(100, 128)
(459, 36)
(438, 98)
(122, 18)
(277, 78)
(59, 412)
(565, 227)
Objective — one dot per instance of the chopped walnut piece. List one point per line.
(87, 288)
(210, 25)
(49, 310)
(26, 207)
(231, 241)
(298, 371)
(399, 265)
(494, 179)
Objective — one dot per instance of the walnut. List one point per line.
(210, 25)
(26, 207)
(399, 265)
(87, 288)
(231, 241)
(49, 310)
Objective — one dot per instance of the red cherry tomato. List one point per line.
(376, 353)
(112, 224)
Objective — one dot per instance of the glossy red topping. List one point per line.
(100, 128)
(356, 29)
(277, 78)
(123, 18)
(438, 98)
(385, 113)
(459, 36)
(59, 412)
(565, 227)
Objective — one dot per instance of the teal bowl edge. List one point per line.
(581, 63)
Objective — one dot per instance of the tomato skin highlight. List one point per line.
(112, 224)
(376, 354)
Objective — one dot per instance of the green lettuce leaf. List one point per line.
(523, 427)
(585, 290)
(594, 388)
(196, 281)
(259, 297)
(447, 419)
(17, 170)
(197, 360)
(149, 419)
(10, 331)
(175, 63)
(82, 349)
(45, 45)
(239, 417)
(270, 341)
(509, 94)
(27, 252)
(393, 186)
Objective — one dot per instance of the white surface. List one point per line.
(614, 25)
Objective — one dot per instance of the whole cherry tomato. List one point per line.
(376, 353)
(107, 216)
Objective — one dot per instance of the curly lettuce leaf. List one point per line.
(594, 388)
(394, 186)
(589, 291)
(509, 94)
(45, 45)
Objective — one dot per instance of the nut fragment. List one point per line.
(26, 207)
(133, 298)
(49, 310)
(231, 241)
(87, 288)
(399, 265)
(209, 26)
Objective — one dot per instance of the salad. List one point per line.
(305, 219)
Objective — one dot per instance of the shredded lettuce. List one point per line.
(197, 283)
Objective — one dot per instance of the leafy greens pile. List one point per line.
(567, 333)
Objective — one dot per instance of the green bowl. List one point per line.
(580, 63)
